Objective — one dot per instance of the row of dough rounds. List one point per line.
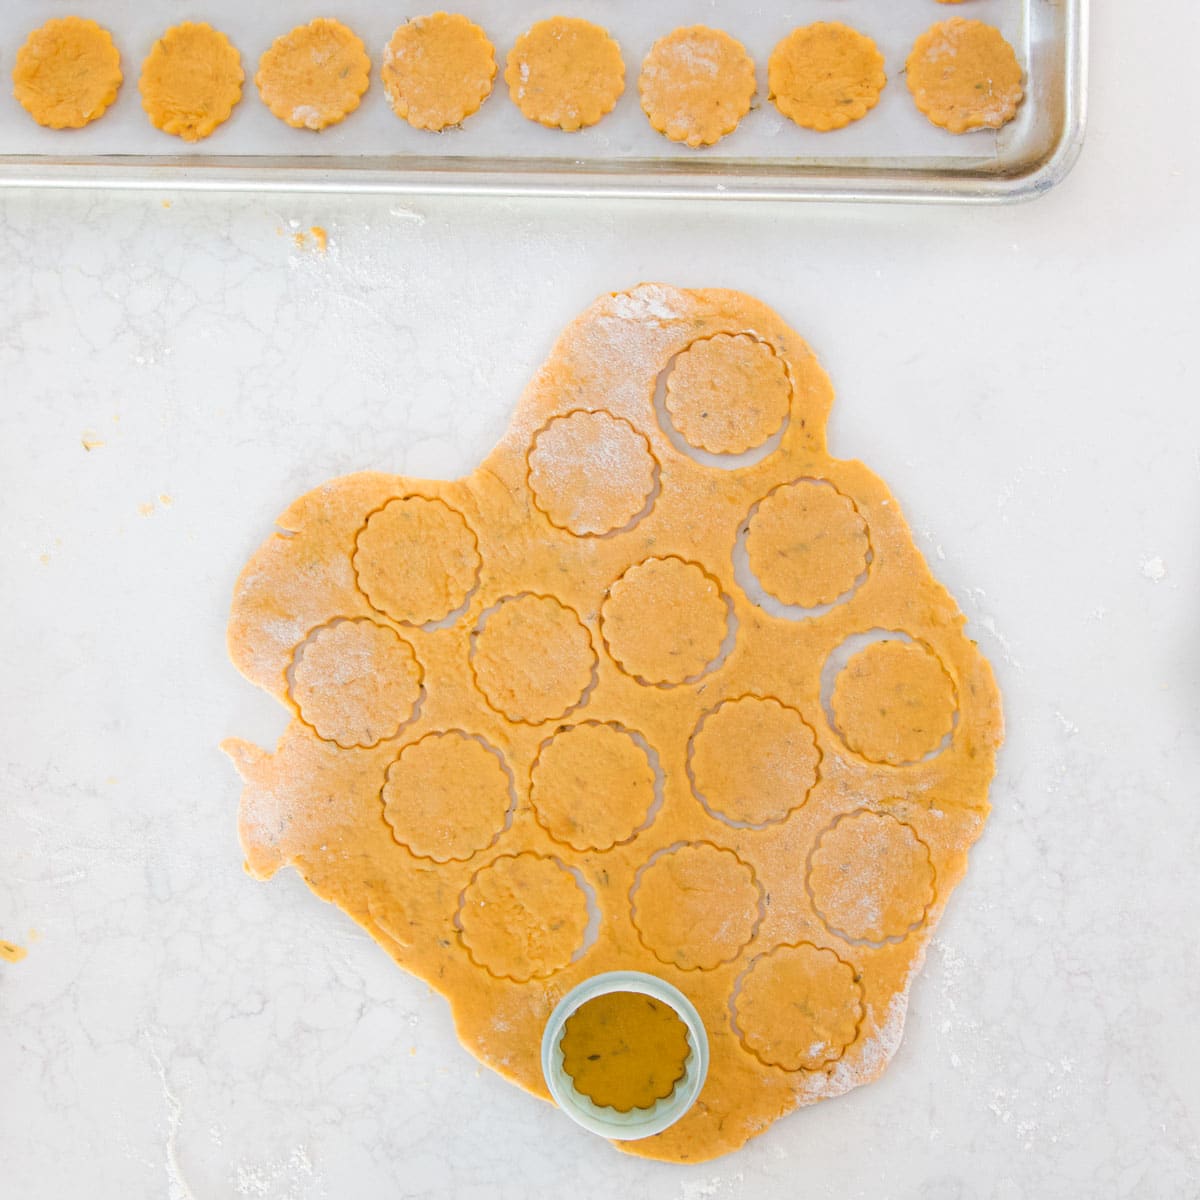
(696, 83)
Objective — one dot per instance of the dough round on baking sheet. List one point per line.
(963, 75)
(566, 73)
(314, 76)
(696, 85)
(191, 81)
(825, 75)
(438, 70)
(67, 73)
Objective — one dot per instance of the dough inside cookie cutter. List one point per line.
(638, 1122)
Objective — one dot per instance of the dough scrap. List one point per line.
(696, 85)
(825, 75)
(807, 544)
(67, 73)
(964, 75)
(438, 70)
(797, 935)
(566, 73)
(191, 81)
(314, 76)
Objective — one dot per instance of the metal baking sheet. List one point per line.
(893, 153)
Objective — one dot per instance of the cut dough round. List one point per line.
(639, 621)
(963, 75)
(314, 76)
(807, 544)
(799, 1007)
(565, 73)
(728, 394)
(532, 658)
(591, 472)
(523, 917)
(356, 682)
(893, 703)
(191, 81)
(438, 70)
(446, 797)
(697, 906)
(696, 85)
(754, 760)
(825, 75)
(67, 73)
(416, 560)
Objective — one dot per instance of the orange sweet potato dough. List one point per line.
(191, 81)
(707, 717)
(314, 76)
(67, 73)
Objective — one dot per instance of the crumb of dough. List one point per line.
(67, 73)
(696, 85)
(438, 70)
(314, 76)
(11, 952)
(565, 73)
(191, 81)
(963, 75)
(824, 76)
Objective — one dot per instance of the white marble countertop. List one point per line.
(1024, 379)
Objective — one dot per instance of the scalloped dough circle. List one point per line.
(728, 394)
(565, 73)
(532, 658)
(871, 877)
(314, 76)
(356, 682)
(191, 81)
(446, 796)
(697, 906)
(893, 702)
(438, 70)
(637, 621)
(799, 1007)
(964, 75)
(807, 543)
(523, 917)
(696, 84)
(754, 760)
(825, 75)
(416, 560)
(591, 473)
(67, 73)
(592, 786)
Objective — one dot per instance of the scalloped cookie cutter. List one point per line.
(662, 687)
